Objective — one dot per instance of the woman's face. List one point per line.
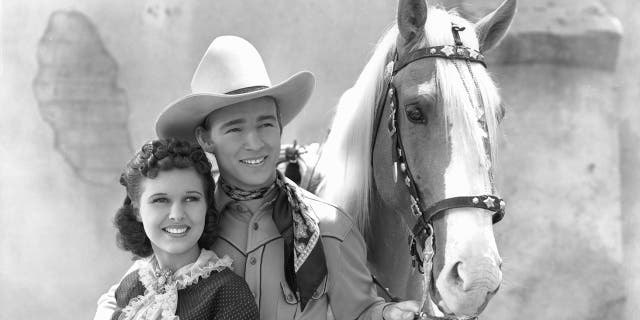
(172, 208)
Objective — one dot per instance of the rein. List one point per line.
(422, 231)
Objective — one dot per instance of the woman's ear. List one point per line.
(204, 139)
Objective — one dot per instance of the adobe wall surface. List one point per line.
(562, 243)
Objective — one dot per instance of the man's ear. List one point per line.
(204, 139)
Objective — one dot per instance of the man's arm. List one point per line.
(107, 302)
(352, 293)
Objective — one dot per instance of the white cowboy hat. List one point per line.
(231, 72)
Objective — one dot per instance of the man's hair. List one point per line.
(154, 157)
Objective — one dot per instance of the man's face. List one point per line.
(245, 139)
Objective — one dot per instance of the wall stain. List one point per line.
(79, 98)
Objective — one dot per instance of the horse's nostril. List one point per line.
(455, 276)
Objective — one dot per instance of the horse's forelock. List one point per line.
(455, 95)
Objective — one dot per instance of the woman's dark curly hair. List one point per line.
(153, 157)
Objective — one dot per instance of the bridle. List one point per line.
(422, 231)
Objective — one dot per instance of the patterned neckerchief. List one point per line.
(305, 264)
(239, 194)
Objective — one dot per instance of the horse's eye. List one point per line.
(415, 114)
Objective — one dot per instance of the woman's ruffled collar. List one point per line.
(161, 288)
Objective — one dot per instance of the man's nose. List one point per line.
(253, 140)
(177, 212)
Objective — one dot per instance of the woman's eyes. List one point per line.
(160, 200)
(192, 199)
(167, 200)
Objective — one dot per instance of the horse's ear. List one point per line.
(412, 15)
(494, 26)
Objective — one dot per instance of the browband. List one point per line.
(457, 52)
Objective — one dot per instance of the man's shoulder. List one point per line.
(332, 220)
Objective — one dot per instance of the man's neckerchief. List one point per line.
(238, 194)
(304, 262)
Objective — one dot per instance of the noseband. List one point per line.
(422, 231)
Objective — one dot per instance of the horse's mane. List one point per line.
(346, 155)
(345, 162)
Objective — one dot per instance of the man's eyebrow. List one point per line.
(269, 117)
(233, 123)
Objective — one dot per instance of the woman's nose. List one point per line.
(177, 212)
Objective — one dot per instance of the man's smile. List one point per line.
(254, 162)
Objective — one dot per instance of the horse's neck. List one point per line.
(388, 252)
(312, 180)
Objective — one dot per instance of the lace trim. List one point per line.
(161, 293)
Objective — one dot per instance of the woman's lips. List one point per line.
(177, 230)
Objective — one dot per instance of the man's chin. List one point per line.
(255, 181)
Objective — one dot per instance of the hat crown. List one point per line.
(230, 63)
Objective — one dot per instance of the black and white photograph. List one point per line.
(298, 160)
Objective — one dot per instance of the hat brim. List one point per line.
(180, 118)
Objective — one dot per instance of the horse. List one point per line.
(411, 156)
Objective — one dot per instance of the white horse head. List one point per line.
(447, 117)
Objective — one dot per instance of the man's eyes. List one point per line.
(263, 125)
(233, 130)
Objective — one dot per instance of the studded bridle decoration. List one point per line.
(422, 231)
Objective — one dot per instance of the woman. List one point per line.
(168, 220)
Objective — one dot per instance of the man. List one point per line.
(301, 257)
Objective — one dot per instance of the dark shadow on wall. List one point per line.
(78, 96)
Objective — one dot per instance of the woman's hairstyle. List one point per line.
(153, 157)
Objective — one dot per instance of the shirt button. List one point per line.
(252, 260)
(255, 226)
(290, 298)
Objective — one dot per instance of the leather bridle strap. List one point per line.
(487, 202)
(422, 229)
(457, 52)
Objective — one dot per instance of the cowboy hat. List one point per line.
(231, 72)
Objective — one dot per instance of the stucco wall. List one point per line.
(560, 165)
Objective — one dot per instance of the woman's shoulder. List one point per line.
(129, 288)
(215, 279)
